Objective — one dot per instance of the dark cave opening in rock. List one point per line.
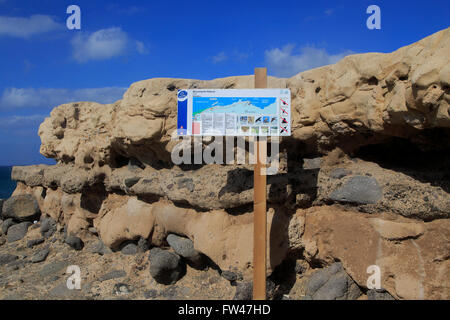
(373, 81)
(92, 198)
(118, 160)
(402, 155)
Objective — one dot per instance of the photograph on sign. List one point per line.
(234, 112)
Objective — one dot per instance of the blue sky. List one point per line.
(43, 64)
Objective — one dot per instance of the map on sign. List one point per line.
(234, 112)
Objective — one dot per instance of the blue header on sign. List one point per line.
(182, 112)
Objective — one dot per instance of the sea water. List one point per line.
(7, 185)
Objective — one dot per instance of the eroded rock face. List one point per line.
(209, 187)
(226, 239)
(364, 185)
(360, 100)
(115, 176)
(371, 188)
(409, 253)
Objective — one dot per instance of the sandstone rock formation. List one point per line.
(364, 179)
(412, 256)
(362, 99)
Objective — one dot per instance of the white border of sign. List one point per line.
(235, 124)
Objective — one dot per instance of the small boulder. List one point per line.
(165, 267)
(74, 242)
(34, 242)
(18, 231)
(359, 190)
(114, 274)
(6, 224)
(48, 227)
(100, 248)
(40, 256)
(143, 244)
(6, 258)
(185, 248)
(16, 265)
(379, 294)
(331, 283)
(129, 249)
(21, 208)
(53, 268)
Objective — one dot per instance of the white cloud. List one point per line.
(23, 121)
(100, 45)
(104, 44)
(141, 48)
(329, 12)
(220, 57)
(22, 27)
(48, 97)
(20, 126)
(285, 62)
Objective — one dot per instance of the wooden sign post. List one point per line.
(259, 214)
(258, 113)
